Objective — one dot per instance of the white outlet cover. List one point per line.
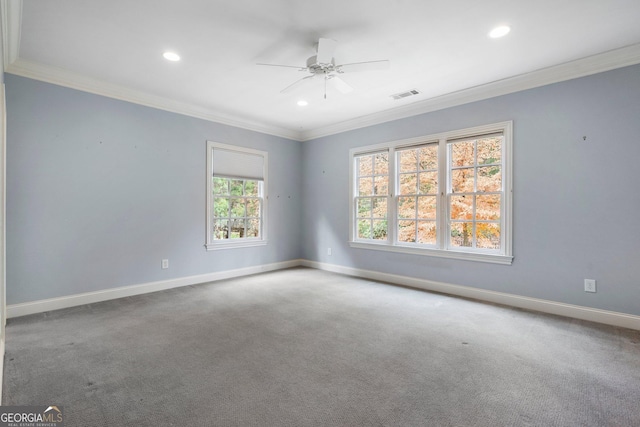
(589, 285)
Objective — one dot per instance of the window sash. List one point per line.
(475, 166)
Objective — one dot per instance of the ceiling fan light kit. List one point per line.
(323, 64)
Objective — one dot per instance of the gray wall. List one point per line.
(99, 191)
(576, 203)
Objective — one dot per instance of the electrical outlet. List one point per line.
(329, 251)
(589, 285)
(165, 264)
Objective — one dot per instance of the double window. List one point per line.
(236, 196)
(446, 195)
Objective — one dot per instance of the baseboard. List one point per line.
(552, 307)
(545, 306)
(40, 306)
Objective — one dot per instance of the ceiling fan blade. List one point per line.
(340, 84)
(287, 66)
(326, 47)
(364, 66)
(296, 83)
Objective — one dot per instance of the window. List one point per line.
(417, 194)
(372, 194)
(236, 196)
(446, 195)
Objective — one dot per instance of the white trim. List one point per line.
(11, 29)
(438, 253)
(545, 306)
(617, 58)
(622, 320)
(594, 64)
(40, 306)
(234, 244)
(61, 77)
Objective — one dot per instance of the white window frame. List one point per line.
(212, 244)
(441, 249)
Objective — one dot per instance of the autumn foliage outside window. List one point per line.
(417, 194)
(475, 192)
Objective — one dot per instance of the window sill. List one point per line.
(235, 245)
(439, 253)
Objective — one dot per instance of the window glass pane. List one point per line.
(489, 150)
(364, 208)
(461, 207)
(406, 207)
(427, 232)
(253, 208)
(428, 182)
(237, 208)
(408, 160)
(220, 207)
(429, 157)
(462, 153)
(427, 207)
(489, 178)
(381, 185)
(364, 229)
(408, 183)
(407, 231)
(365, 166)
(220, 186)
(236, 228)
(462, 234)
(220, 229)
(488, 235)
(380, 229)
(462, 180)
(236, 187)
(251, 188)
(380, 207)
(365, 186)
(381, 163)
(253, 228)
(488, 206)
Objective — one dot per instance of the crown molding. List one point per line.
(11, 12)
(62, 77)
(618, 58)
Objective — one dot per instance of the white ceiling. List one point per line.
(441, 48)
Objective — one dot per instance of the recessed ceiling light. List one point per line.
(303, 103)
(171, 56)
(500, 31)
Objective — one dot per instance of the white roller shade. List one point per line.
(237, 164)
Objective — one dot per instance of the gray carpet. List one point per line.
(303, 347)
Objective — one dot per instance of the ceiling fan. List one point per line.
(323, 65)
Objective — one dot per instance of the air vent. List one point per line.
(402, 95)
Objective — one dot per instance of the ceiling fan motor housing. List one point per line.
(317, 68)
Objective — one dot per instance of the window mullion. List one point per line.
(442, 214)
(392, 199)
